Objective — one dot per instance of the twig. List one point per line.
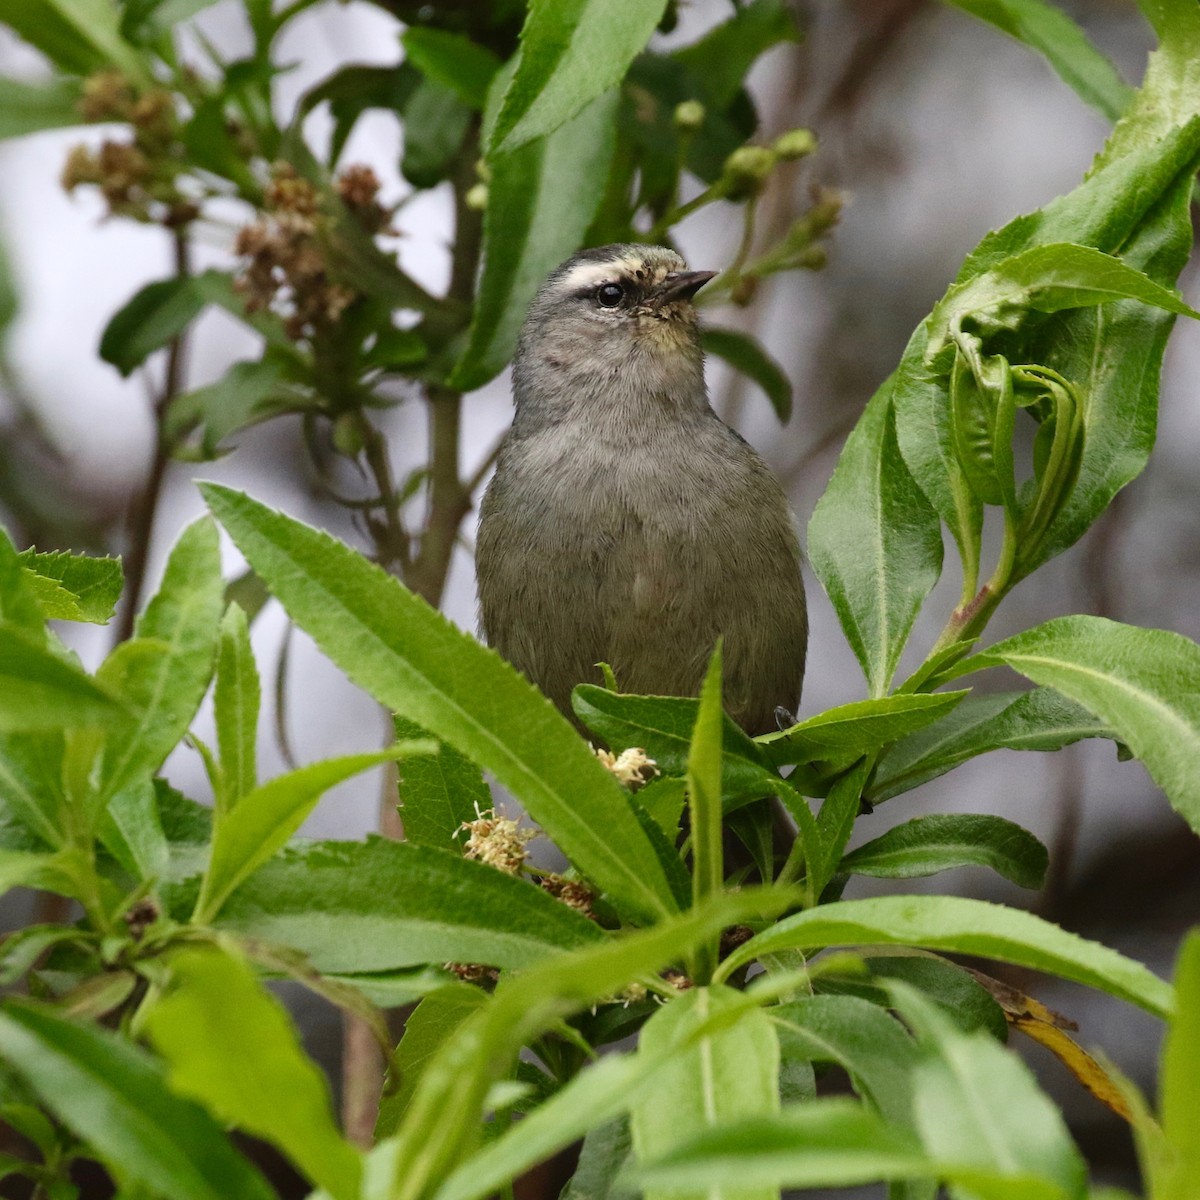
(145, 507)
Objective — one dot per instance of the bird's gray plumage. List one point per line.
(626, 523)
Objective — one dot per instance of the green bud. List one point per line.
(746, 169)
(482, 171)
(348, 434)
(796, 143)
(477, 197)
(689, 115)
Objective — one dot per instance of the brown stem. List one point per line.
(145, 506)
(362, 1086)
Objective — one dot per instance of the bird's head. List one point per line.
(616, 319)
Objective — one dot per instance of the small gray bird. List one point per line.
(626, 522)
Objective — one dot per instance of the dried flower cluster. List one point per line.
(287, 268)
(571, 892)
(137, 177)
(632, 767)
(498, 841)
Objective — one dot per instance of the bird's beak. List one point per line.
(679, 285)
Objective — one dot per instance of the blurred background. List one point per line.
(936, 128)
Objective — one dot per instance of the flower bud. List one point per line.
(477, 197)
(689, 115)
(348, 435)
(796, 143)
(745, 171)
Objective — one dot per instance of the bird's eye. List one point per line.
(609, 295)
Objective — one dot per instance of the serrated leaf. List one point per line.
(41, 690)
(979, 1106)
(232, 1047)
(572, 51)
(237, 696)
(114, 1096)
(954, 923)
(728, 1073)
(438, 793)
(941, 842)
(381, 905)
(265, 819)
(1039, 719)
(74, 587)
(163, 672)
(875, 543)
(746, 354)
(1144, 684)
(849, 730)
(413, 660)
(662, 726)
(447, 1105)
(871, 1045)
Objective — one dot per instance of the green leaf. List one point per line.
(353, 90)
(454, 61)
(572, 52)
(248, 393)
(606, 1149)
(74, 587)
(448, 1104)
(1039, 719)
(435, 122)
(438, 793)
(42, 690)
(18, 868)
(1048, 279)
(722, 58)
(31, 784)
(412, 659)
(1065, 46)
(1170, 91)
(19, 604)
(32, 107)
(380, 905)
(704, 794)
(859, 727)
(732, 1072)
(164, 670)
(959, 995)
(940, 842)
(232, 1047)
(114, 1096)
(265, 819)
(156, 314)
(426, 1030)
(236, 699)
(662, 726)
(954, 923)
(978, 1105)
(541, 199)
(833, 1143)
(133, 834)
(875, 543)
(1179, 1084)
(1144, 684)
(606, 1088)
(871, 1045)
(78, 36)
(746, 354)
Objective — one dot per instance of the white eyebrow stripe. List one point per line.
(589, 274)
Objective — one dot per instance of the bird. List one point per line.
(625, 522)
